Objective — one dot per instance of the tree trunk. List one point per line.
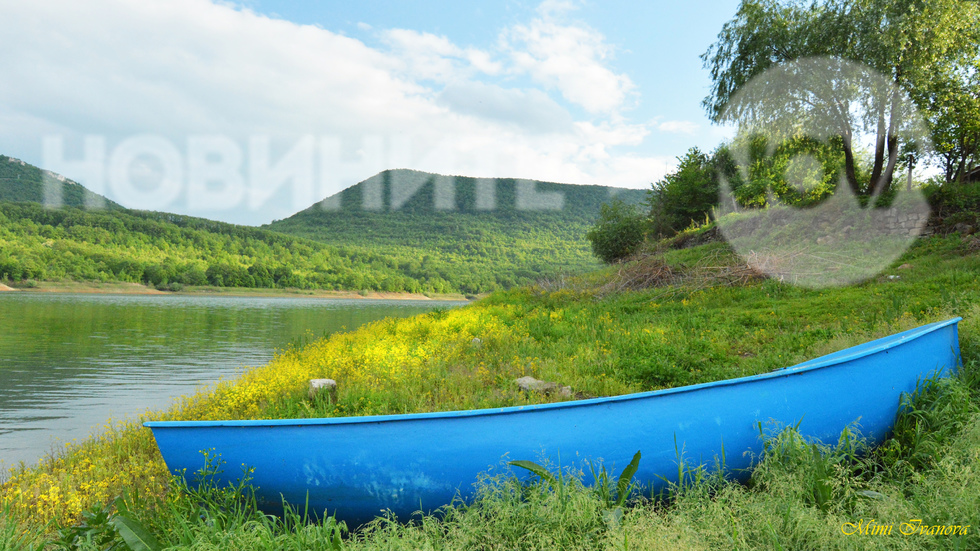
(849, 172)
(960, 170)
(880, 140)
(888, 176)
(882, 181)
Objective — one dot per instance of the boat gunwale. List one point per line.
(887, 342)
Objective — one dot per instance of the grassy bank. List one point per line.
(687, 317)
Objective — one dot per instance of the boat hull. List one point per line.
(358, 467)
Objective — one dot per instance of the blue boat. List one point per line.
(359, 467)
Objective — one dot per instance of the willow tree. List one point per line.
(953, 109)
(921, 46)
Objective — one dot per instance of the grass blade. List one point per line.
(623, 484)
(134, 534)
(536, 469)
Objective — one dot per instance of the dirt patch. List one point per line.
(5, 287)
(93, 287)
(138, 289)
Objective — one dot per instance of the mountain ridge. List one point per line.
(23, 182)
(505, 231)
(419, 246)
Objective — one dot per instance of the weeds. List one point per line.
(619, 343)
(928, 419)
(108, 528)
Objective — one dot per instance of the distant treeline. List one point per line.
(169, 251)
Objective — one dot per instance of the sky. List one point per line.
(250, 111)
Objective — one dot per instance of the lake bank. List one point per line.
(124, 288)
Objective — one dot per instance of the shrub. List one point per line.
(688, 194)
(618, 233)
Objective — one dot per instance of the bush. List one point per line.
(618, 233)
(686, 195)
(173, 286)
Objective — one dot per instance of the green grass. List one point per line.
(599, 342)
(801, 496)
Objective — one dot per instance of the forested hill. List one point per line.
(412, 244)
(22, 182)
(170, 251)
(488, 233)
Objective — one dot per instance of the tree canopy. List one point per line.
(618, 233)
(927, 49)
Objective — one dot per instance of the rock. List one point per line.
(476, 342)
(323, 386)
(530, 384)
(964, 229)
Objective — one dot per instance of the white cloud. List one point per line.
(681, 127)
(553, 8)
(531, 109)
(571, 58)
(425, 56)
(181, 68)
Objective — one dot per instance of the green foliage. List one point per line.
(108, 529)
(170, 251)
(21, 182)
(934, 413)
(133, 533)
(407, 246)
(953, 111)
(202, 514)
(686, 195)
(478, 237)
(954, 203)
(802, 491)
(624, 484)
(95, 530)
(618, 233)
(537, 469)
(800, 172)
(16, 537)
(928, 49)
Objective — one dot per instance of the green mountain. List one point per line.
(482, 234)
(21, 182)
(399, 231)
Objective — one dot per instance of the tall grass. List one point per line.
(802, 495)
(599, 344)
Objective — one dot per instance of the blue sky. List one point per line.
(250, 111)
(656, 44)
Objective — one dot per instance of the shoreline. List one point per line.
(123, 288)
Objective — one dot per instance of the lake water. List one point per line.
(69, 362)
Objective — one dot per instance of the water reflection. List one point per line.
(68, 362)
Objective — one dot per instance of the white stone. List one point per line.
(323, 385)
